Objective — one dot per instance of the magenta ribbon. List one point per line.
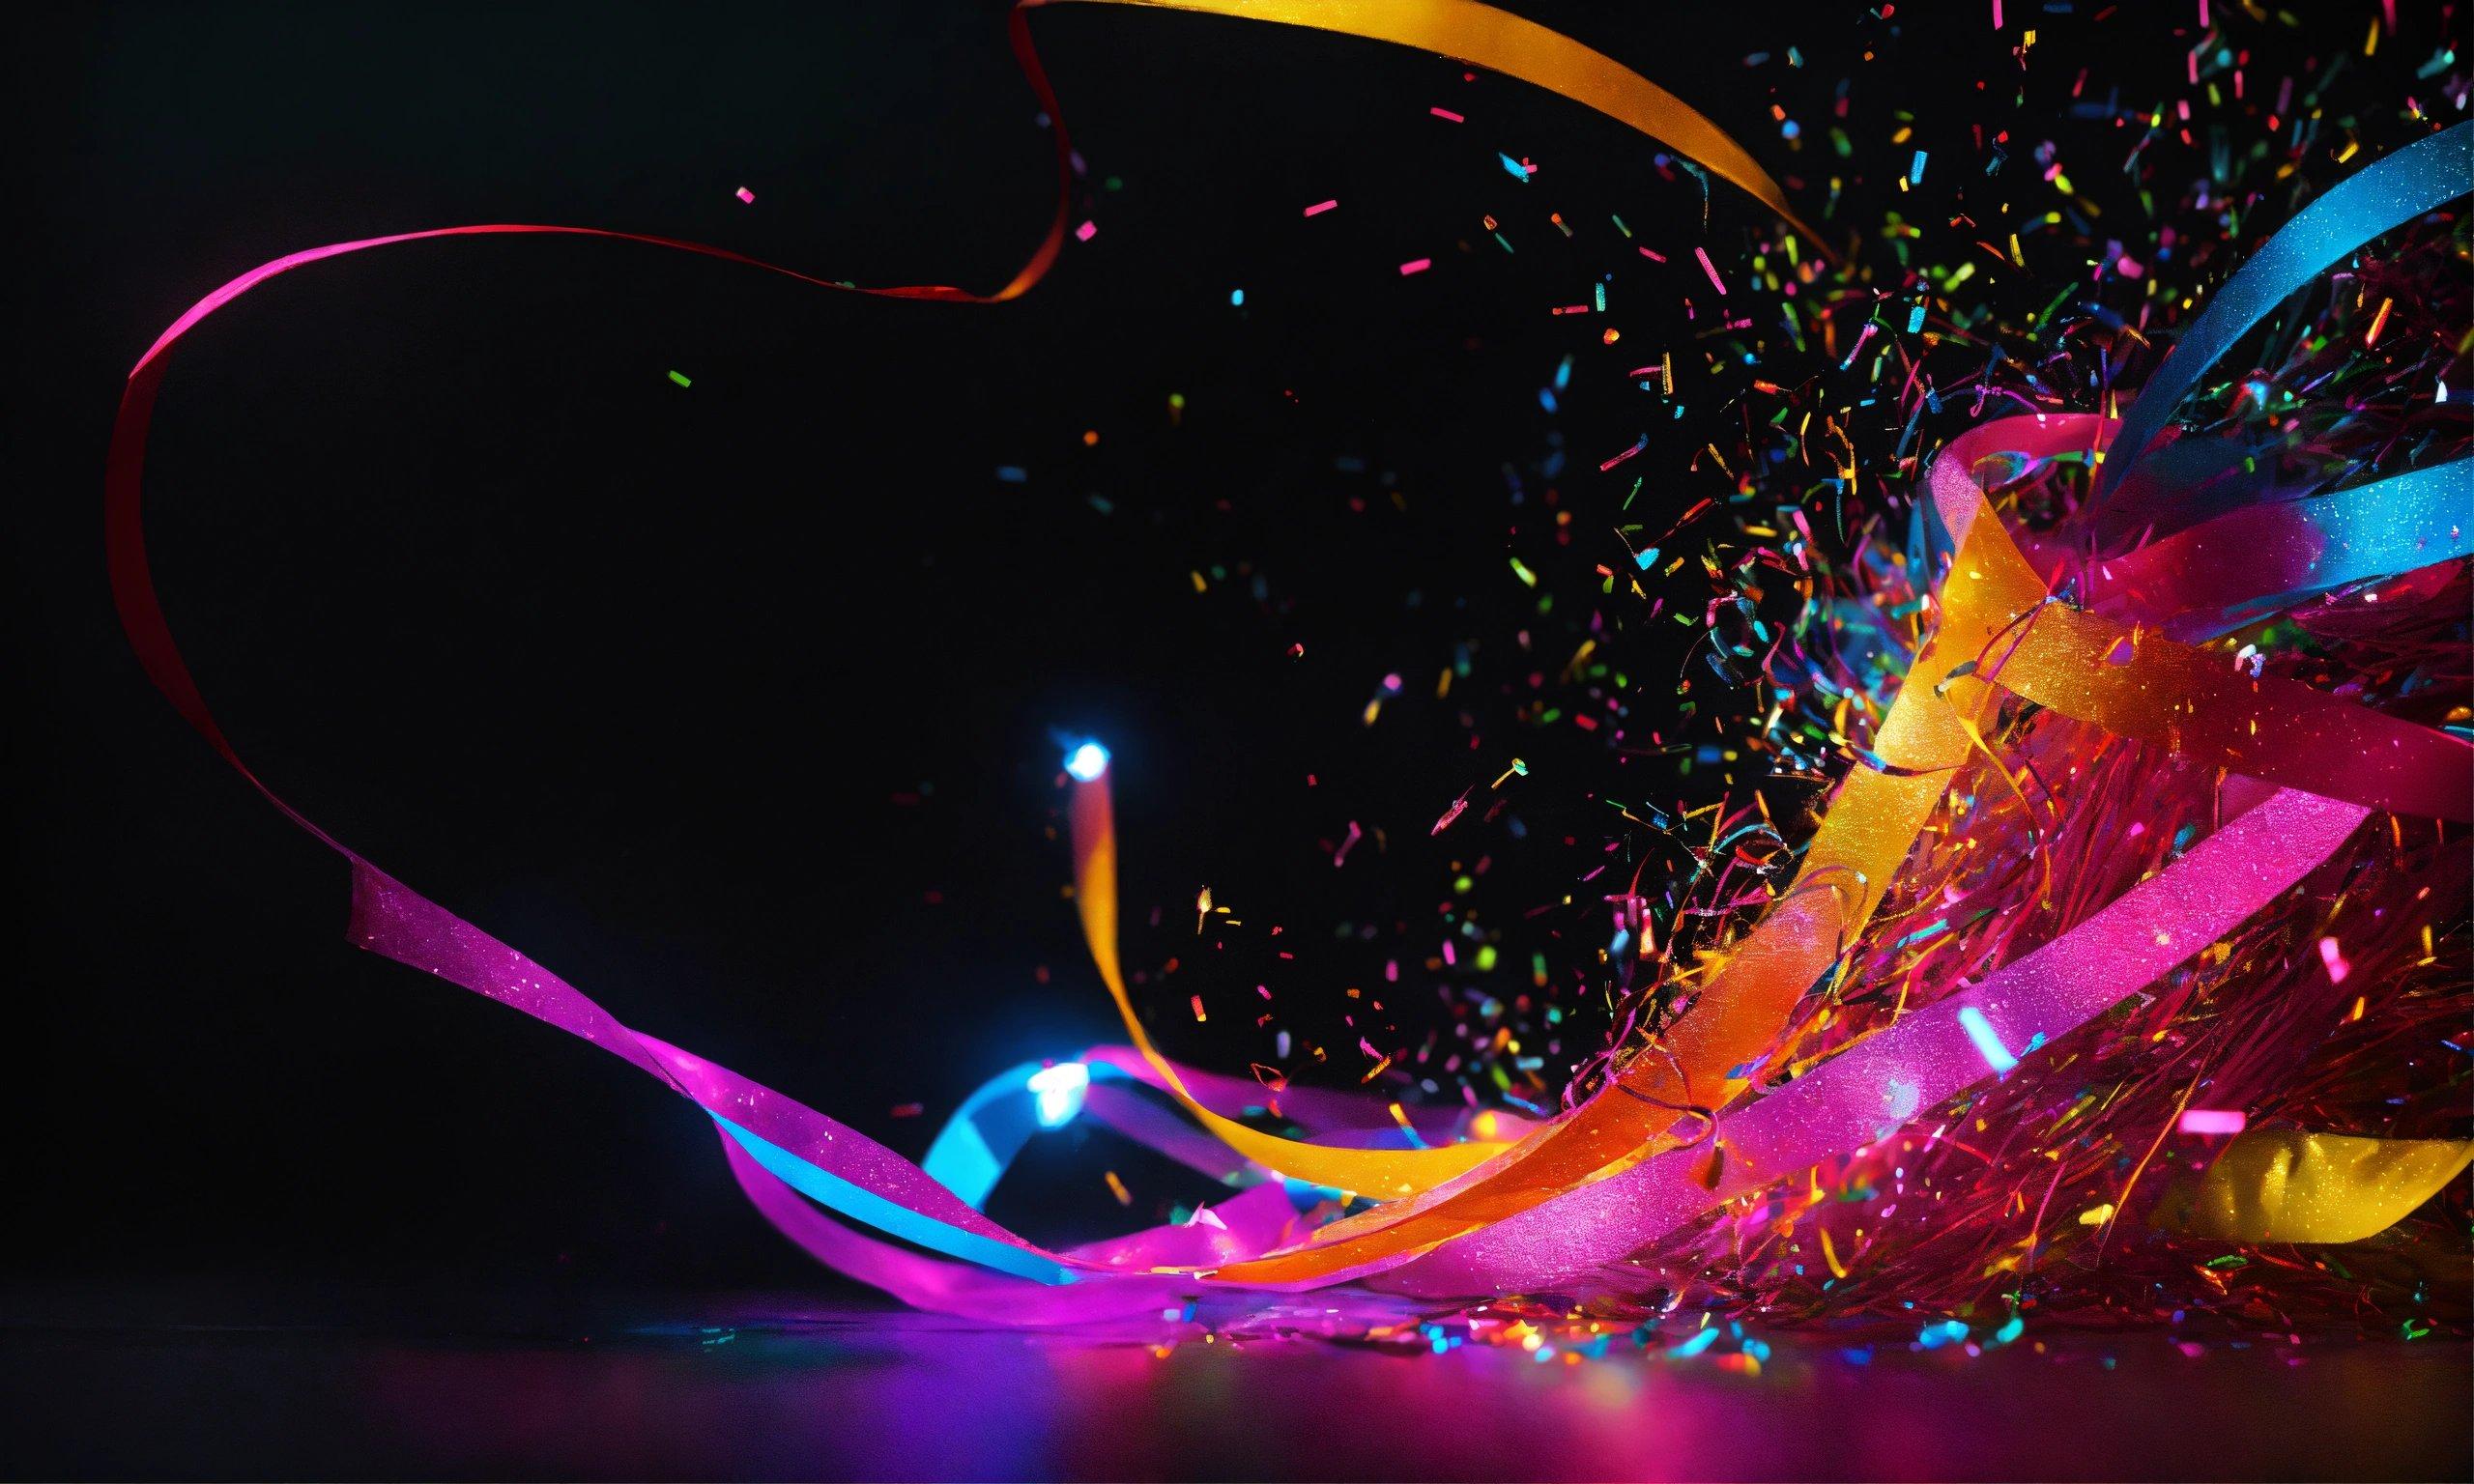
(1924, 1060)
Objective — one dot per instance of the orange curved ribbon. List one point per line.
(1501, 42)
(1381, 1172)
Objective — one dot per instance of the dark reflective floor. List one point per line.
(111, 1385)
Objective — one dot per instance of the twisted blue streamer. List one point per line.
(2380, 530)
(860, 1204)
(2419, 178)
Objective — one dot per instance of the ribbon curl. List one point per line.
(1484, 1216)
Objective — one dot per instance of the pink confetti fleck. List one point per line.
(2213, 1119)
(1415, 266)
(1446, 113)
(1715, 281)
(2335, 960)
(1086, 232)
(1320, 207)
(1653, 257)
(747, 195)
(1340, 857)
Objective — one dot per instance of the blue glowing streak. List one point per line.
(863, 1205)
(1058, 1092)
(1988, 1042)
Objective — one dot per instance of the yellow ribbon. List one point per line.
(1384, 1174)
(2283, 1184)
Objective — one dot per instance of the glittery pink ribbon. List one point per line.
(1926, 1059)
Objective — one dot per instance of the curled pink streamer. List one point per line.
(391, 920)
(934, 1284)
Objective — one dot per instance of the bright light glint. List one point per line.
(1087, 762)
(1058, 1090)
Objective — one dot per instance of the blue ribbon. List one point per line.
(2419, 178)
(861, 1204)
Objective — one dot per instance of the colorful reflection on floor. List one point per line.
(749, 1388)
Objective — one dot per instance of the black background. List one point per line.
(638, 677)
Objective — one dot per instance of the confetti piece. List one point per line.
(1708, 268)
(1988, 1042)
(1320, 207)
(1415, 266)
(746, 196)
(2212, 1121)
(681, 380)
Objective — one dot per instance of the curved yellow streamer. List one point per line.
(1383, 1174)
(2283, 1184)
(1516, 47)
